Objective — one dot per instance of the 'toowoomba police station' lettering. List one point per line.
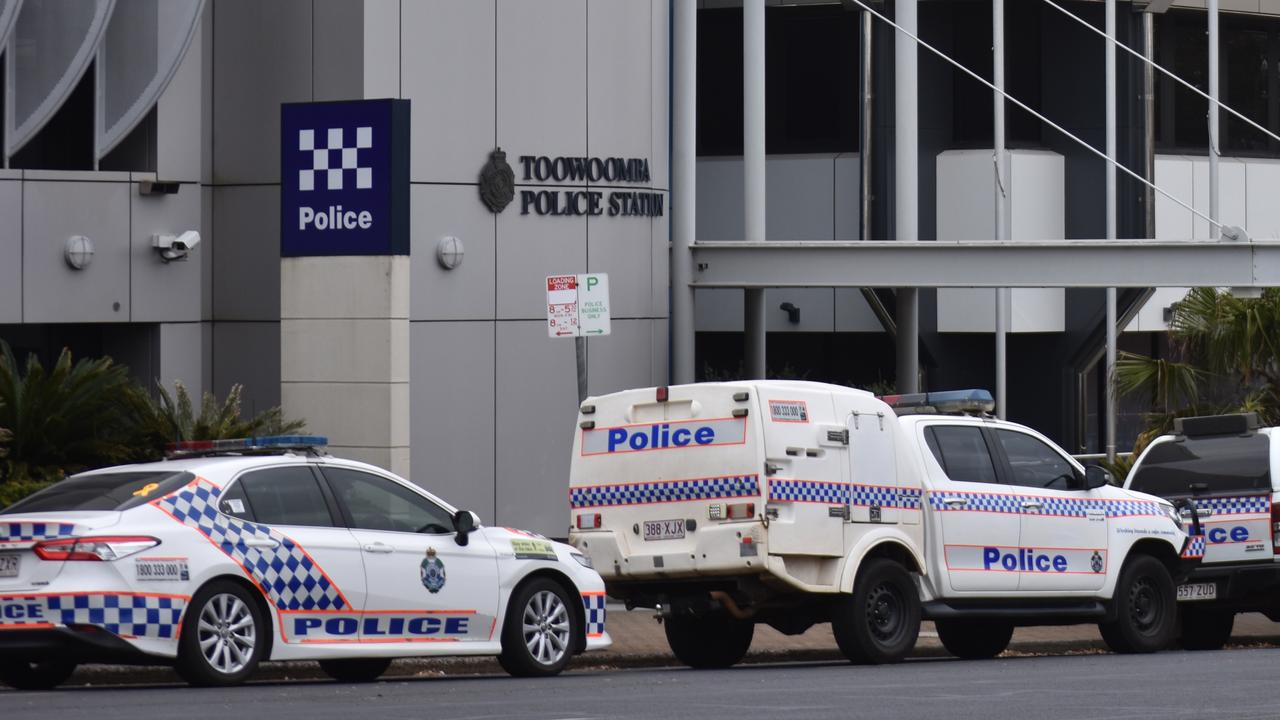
(573, 202)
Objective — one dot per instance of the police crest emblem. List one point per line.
(432, 572)
(497, 182)
(1095, 562)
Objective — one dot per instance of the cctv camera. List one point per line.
(171, 247)
(187, 240)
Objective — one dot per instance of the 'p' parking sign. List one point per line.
(344, 178)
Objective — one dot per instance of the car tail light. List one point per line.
(93, 548)
(589, 521)
(740, 511)
(1275, 528)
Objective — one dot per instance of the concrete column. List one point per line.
(1003, 216)
(344, 353)
(684, 168)
(753, 138)
(906, 196)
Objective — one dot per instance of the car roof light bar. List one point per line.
(267, 443)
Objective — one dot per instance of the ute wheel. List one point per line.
(537, 637)
(1204, 629)
(355, 670)
(880, 622)
(35, 675)
(223, 636)
(1145, 607)
(974, 639)
(710, 641)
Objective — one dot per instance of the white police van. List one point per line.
(795, 503)
(238, 551)
(1225, 471)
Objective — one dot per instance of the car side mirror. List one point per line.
(1096, 476)
(464, 523)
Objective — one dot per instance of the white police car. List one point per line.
(244, 551)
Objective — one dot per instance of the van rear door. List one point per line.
(806, 472)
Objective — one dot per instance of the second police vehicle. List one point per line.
(795, 503)
(269, 549)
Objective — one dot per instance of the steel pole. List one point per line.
(1000, 166)
(684, 140)
(1149, 120)
(906, 188)
(1111, 227)
(753, 162)
(865, 137)
(1215, 231)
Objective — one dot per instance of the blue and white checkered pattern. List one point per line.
(734, 486)
(593, 604)
(836, 493)
(1049, 506)
(128, 614)
(288, 575)
(15, 532)
(1244, 505)
(1195, 547)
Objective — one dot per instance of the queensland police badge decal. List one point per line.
(497, 182)
(432, 572)
(1095, 562)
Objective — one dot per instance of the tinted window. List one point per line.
(376, 503)
(112, 491)
(1212, 464)
(1035, 464)
(286, 496)
(962, 453)
(235, 503)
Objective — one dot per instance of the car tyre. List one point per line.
(708, 642)
(1204, 629)
(880, 621)
(223, 636)
(35, 675)
(974, 639)
(355, 670)
(1145, 607)
(539, 633)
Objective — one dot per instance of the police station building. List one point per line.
(352, 207)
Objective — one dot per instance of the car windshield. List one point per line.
(105, 491)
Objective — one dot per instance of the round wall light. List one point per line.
(78, 252)
(449, 252)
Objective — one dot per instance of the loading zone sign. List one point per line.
(578, 305)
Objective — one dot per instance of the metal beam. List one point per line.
(684, 173)
(1051, 263)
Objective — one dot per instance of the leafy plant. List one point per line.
(174, 417)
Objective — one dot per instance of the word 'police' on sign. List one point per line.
(578, 305)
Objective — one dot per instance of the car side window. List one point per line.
(376, 503)
(235, 503)
(1035, 464)
(962, 453)
(286, 496)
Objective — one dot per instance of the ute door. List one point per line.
(1064, 526)
(808, 490)
(873, 468)
(974, 518)
(423, 586)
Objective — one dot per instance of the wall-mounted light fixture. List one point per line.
(78, 252)
(449, 252)
(793, 312)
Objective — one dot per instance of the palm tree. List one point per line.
(174, 418)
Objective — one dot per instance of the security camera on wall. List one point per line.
(175, 247)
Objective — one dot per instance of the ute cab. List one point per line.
(792, 503)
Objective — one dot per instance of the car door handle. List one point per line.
(956, 502)
(262, 543)
(1031, 505)
(378, 548)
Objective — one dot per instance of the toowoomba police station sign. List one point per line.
(497, 186)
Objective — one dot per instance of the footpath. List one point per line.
(639, 641)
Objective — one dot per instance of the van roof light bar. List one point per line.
(946, 402)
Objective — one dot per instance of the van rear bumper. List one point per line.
(1241, 586)
(709, 550)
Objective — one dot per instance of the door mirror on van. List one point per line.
(1096, 476)
(464, 523)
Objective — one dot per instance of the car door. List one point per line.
(295, 548)
(1064, 526)
(422, 585)
(975, 519)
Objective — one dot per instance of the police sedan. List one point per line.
(235, 552)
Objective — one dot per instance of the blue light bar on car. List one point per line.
(947, 401)
(231, 445)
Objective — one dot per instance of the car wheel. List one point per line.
(708, 642)
(1145, 608)
(35, 675)
(355, 670)
(537, 637)
(880, 622)
(1204, 629)
(974, 639)
(223, 636)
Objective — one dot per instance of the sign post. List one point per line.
(578, 307)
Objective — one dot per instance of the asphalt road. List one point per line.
(1224, 684)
